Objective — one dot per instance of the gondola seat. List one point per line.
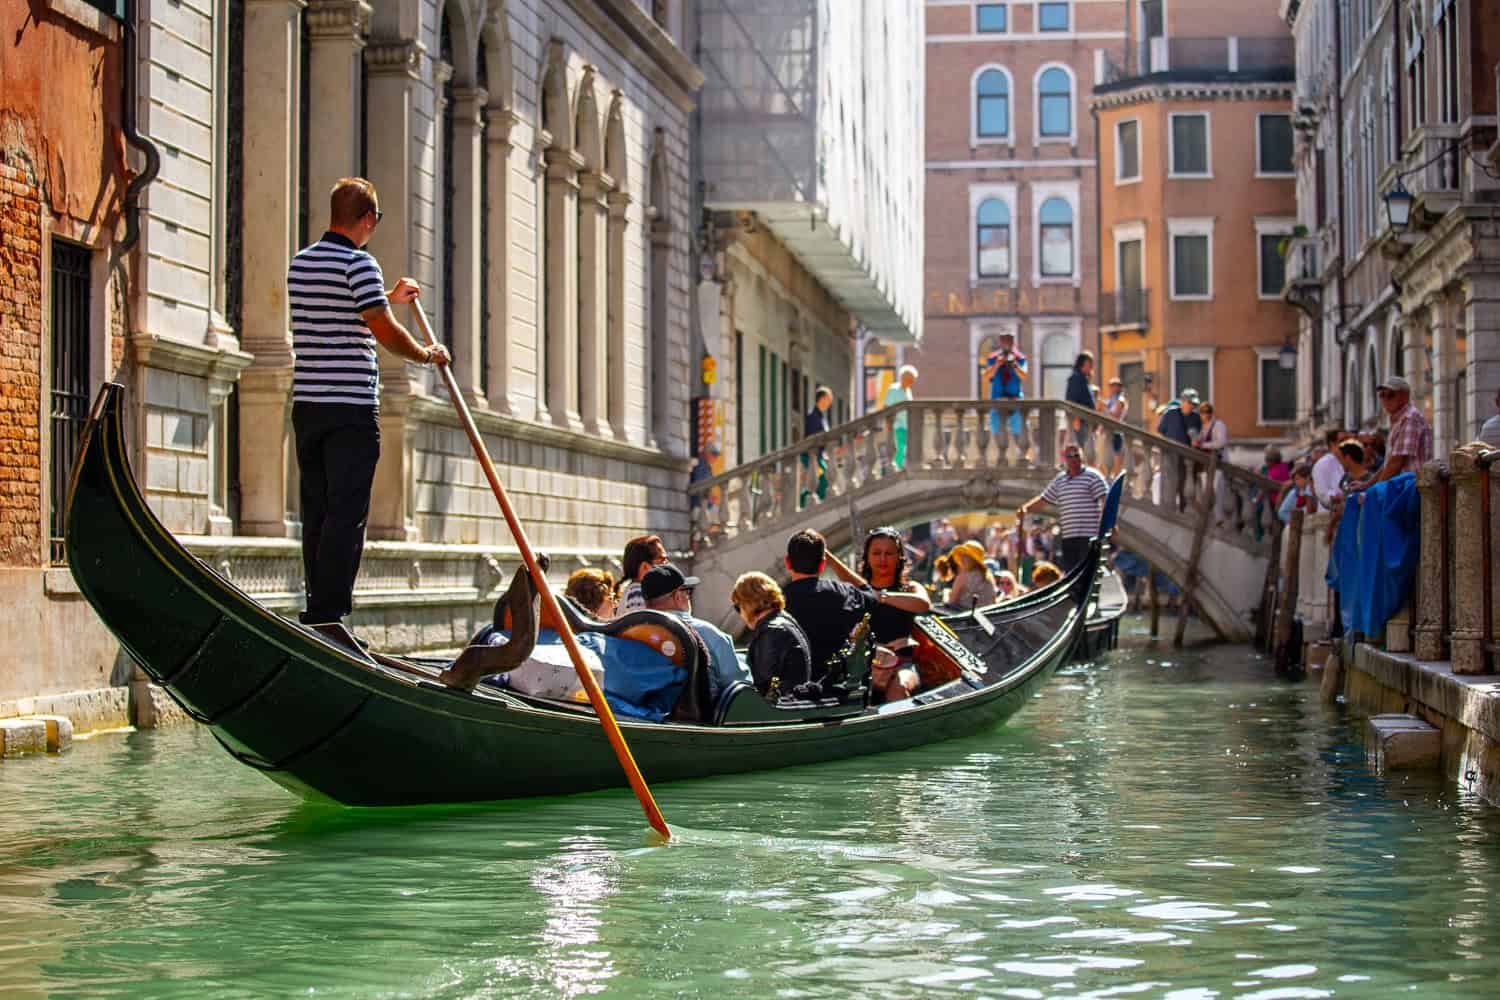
(741, 705)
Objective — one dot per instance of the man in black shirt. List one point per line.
(827, 610)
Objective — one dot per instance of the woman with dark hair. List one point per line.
(1081, 392)
(640, 555)
(883, 568)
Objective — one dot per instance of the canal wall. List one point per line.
(1436, 657)
(1464, 708)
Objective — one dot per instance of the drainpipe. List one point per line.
(1099, 238)
(134, 137)
(1338, 137)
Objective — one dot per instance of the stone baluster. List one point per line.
(1469, 596)
(952, 438)
(916, 438)
(968, 429)
(1046, 437)
(1432, 574)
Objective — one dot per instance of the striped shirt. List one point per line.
(329, 284)
(1077, 499)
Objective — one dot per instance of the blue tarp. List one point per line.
(639, 682)
(1375, 553)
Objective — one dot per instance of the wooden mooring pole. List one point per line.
(1155, 602)
(1205, 518)
(1286, 614)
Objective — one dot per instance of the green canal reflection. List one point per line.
(1155, 824)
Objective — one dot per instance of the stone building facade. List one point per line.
(1400, 92)
(1197, 206)
(1012, 187)
(809, 180)
(532, 159)
(64, 279)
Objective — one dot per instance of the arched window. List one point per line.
(1056, 218)
(1351, 393)
(992, 239)
(1372, 379)
(1055, 103)
(1397, 361)
(992, 105)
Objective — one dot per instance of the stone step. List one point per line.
(18, 736)
(1402, 742)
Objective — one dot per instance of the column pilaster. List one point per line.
(563, 166)
(497, 131)
(1430, 577)
(593, 296)
(1444, 370)
(272, 89)
(337, 43)
(1482, 322)
(619, 206)
(391, 70)
(465, 270)
(1467, 637)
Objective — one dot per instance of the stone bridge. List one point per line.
(956, 464)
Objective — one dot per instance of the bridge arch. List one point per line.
(957, 468)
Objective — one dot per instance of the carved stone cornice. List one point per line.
(337, 20)
(1148, 92)
(394, 57)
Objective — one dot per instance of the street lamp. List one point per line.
(1287, 356)
(1398, 206)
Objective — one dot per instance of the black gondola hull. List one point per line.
(332, 724)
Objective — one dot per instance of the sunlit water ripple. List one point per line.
(1154, 825)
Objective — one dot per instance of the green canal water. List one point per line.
(1154, 824)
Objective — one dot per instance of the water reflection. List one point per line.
(1159, 826)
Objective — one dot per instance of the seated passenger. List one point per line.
(779, 653)
(828, 610)
(972, 586)
(593, 590)
(1044, 573)
(1006, 587)
(666, 589)
(640, 555)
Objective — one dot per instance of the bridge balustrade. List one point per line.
(1017, 439)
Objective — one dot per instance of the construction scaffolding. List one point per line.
(812, 117)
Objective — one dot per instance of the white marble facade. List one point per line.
(565, 261)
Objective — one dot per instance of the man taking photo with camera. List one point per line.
(1005, 368)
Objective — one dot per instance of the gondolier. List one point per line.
(1077, 493)
(340, 309)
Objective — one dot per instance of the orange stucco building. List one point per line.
(1197, 202)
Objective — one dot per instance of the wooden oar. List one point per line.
(549, 602)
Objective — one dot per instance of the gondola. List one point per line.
(332, 722)
(1101, 630)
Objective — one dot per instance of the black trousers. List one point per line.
(338, 445)
(1072, 551)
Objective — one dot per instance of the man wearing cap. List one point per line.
(1173, 425)
(666, 589)
(1005, 367)
(1078, 494)
(1410, 440)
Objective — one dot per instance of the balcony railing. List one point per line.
(1124, 309)
(1231, 55)
(1302, 262)
(1435, 156)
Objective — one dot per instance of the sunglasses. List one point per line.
(378, 215)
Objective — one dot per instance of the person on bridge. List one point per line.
(1078, 494)
(817, 422)
(1080, 392)
(1005, 368)
(896, 394)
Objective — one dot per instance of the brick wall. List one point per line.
(20, 362)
